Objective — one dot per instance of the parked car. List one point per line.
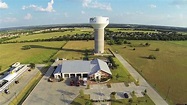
(7, 91)
(126, 95)
(84, 81)
(72, 83)
(78, 83)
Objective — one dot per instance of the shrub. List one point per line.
(32, 65)
(113, 93)
(147, 44)
(26, 47)
(151, 57)
(130, 100)
(157, 49)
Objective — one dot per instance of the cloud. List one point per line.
(179, 2)
(3, 5)
(49, 7)
(82, 12)
(66, 15)
(95, 4)
(28, 16)
(152, 6)
(8, 20)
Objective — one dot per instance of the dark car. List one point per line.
(78, 83)
(6, 91)
(72, 83)
(126, 95)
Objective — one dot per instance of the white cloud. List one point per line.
(66, 15)
(82, 12)
(95, 4)
(49, 7)
(152, 6)
(8, 20)
(3, 5)
(28, 16)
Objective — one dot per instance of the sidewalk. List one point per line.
(155, 97)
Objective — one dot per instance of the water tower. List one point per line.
(99, 23)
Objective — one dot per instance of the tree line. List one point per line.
(164, 35)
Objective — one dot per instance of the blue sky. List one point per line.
(15, 13)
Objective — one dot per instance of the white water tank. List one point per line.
(99, 23)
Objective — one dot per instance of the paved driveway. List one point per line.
(52, 93)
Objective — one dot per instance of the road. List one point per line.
(155, 97)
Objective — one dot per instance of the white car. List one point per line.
(84, 81)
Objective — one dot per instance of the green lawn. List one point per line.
(75, 49)
(81, 100)
(168, 70)
(40, 52)
(135, 101)
(123, 74)
(50, 35)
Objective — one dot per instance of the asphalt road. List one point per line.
(155, 97)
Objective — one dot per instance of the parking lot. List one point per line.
(102, 92)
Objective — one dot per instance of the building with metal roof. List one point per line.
(94, 69)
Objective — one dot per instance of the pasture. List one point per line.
(40, 52)
(167, 73)
(51, 35)
(77, 49)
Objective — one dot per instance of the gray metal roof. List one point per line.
(75, 66)
(79, 66)
(100, 65)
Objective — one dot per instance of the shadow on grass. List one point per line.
(144, 57)
(88, 51)
(152, 50)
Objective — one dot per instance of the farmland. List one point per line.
(167, 72)
(51, 35)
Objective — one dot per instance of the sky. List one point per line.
(15, 13)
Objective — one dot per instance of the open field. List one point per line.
(51, 34)
(167, 73)
(129, 30)
(76, 50)
(40, 52)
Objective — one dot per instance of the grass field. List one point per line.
(166, 73)
(40, 52)
(50, 35)
(130, 30)
(76, 50)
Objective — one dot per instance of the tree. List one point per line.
(157, 49)
(111, 42)
(147, 44)
(151, 57)
(32, 65)
(117, 76)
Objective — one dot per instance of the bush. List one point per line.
(147, 44)
(26, 47)
(32, 65)
(157, 49)
(151, 57)
(113, 93)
